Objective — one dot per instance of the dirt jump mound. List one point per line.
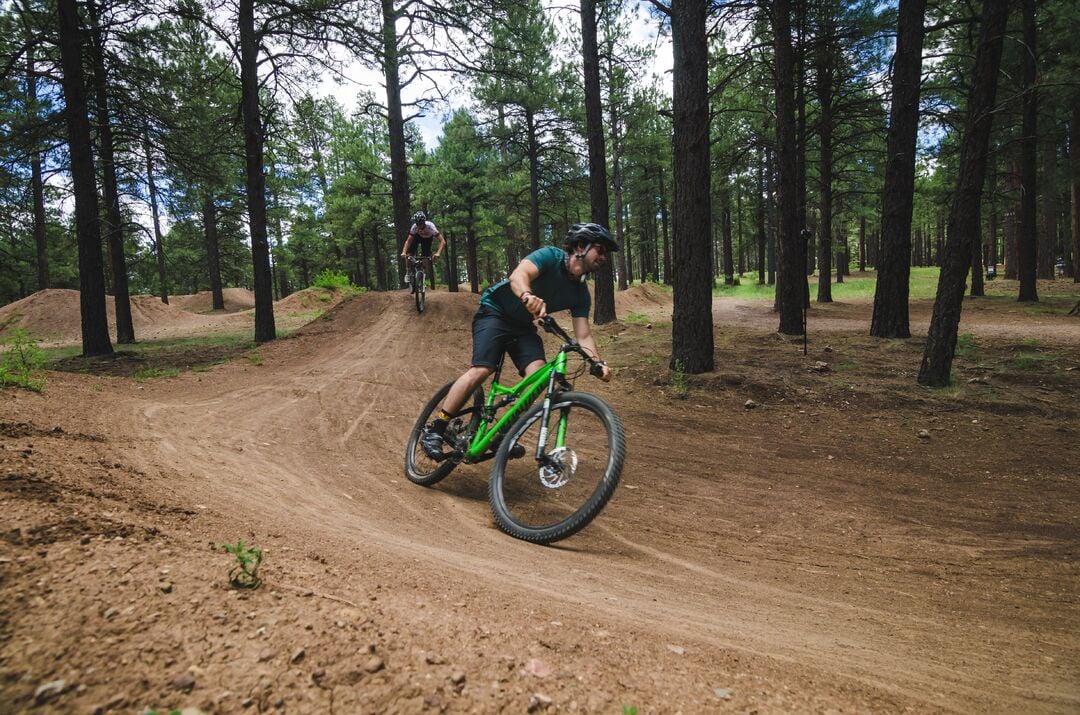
(236, 300)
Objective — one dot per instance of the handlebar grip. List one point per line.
(596, 370)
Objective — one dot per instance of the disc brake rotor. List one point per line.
(560, 467)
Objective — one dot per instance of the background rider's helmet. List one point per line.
(585, 233)
(419, 217)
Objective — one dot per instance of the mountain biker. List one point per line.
(421, 233)
(547, 280)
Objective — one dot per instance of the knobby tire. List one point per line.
(501, 493)
(419, 468)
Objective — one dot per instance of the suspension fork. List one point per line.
(558, 372)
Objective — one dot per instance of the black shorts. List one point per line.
(424, 245)
(494, 335)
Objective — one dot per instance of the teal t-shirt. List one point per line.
(559, 289)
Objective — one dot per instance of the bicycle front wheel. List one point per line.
(422, 469)
(420, 284)
(548, 500)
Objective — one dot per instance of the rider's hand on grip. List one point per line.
(600, 370)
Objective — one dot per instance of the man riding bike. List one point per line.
(421, 233)
(547, 280)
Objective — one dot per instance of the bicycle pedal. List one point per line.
(517, 451)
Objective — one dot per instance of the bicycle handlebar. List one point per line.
(549, 325)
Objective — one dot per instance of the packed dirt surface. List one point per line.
(792, 533)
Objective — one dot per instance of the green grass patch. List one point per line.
(1026, 362)
(965, 346)
(637, 318)
(21, 362)
(155, 358)
(922, 284)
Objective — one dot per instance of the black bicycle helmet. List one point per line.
(589, 233)
(419, 217)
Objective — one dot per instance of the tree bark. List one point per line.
(691, 322)
(1048, 238)
(825, 164)
(1027, 246)
(791, 282)
(599, 211)
(265, 329)
(37, 185)
(1074, 186)
(964, 212)
(893, 264)
(399, 173)
(213, 252)
(159, 250)
(95, 326)
(114, 229)
(668, 271)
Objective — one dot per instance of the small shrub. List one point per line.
(332, 280)
(679, 384)
(20, 362)
(243, 573)
(637, 318)
(965, 345)
(255, 358)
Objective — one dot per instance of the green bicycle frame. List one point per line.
(521, 396)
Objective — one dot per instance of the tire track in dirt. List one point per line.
(323, 419)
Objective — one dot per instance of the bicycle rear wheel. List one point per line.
(420, 286)
(422, 469)
(543, 503)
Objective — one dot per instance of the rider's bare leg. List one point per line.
(473, 378)
(428, 273)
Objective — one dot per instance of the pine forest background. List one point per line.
(174, 147)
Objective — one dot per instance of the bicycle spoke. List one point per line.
(542, 495)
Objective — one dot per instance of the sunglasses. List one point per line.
(601, 249)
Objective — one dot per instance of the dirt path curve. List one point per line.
(830, 591)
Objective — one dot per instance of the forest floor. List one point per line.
(792, 533)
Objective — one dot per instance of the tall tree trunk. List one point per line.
(265, 329)
(691, 321)
(1012, 219)
(599, 211)
(725, 226)
(159, 249)
(791, 281)
(825, 161)
(399, 173)
(470, 252)
(114, 229)
(1048, 240)
(281, 270)
(862, 244)
(759, 215)
(37, 185)
(625, 269)
(1027, 246)
(770, 219)
(964, 212)
(893, 263)
(213, 252)
(668, 270)
(1074, 185)
(95, 325)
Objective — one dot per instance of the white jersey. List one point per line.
(428, 230)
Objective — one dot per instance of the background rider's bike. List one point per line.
(556, 464)
(418, 282)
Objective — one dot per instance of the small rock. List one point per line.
(827, 348)
(538, 701)
(924, 434)
(722, 693)
(537, 668)
(676, 649)
(183, 681)
(165, 587)
(750, 404)
(978, 381)
(265, 654)
(648, 326)
(820, 366)
(49, 691)
(374, 664)
(457, 678)
(433, 659)
(297, 656)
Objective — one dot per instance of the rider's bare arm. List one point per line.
(408, 244)
(521, 284)
(442, 245)
(583, 334)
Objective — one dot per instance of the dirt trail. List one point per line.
(796, 557)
